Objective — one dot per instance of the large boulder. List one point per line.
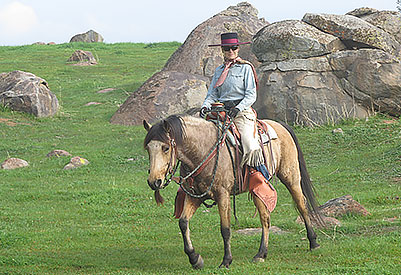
(304, 80)
(370, 77)
(25, 92)
(195, 57)
(87, 37)
(305, 92)
(292, 39)
(182, 83)
(354, 32)
(166, 93)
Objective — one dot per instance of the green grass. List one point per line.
(102, 218)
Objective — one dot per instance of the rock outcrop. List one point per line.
(329, 67)
(182, 83)
(87, 37)
(25, 92)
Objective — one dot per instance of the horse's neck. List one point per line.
(200, 138)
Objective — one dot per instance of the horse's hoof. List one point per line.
(199, 263)
(258, 260)
(315, 246)
(225, 263)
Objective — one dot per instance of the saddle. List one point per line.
(249, 178)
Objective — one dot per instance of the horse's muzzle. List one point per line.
(155, 185)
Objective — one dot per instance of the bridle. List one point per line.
(189, 178)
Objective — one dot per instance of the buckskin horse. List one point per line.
(190, 139)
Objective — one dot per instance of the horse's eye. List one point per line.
(165, 149)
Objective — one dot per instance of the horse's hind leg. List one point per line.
(294, 186)
(190, 206)
(264, 215)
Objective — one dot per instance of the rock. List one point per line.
(292, 39)
(88, 37)
(304, 91)
(338, 131)
(354, 32)
(182, 84)
(76, 162)
(58, 153)
(342, 206)
(92, 103)
(335, 208)
(371, 77)
(167, 92)
(13, 163)
(83, 57)
(108, 90)
(195, 57)
(359, 12)
(25, 92)
(389, 21)
(255, 231)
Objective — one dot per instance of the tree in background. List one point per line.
(399, 5)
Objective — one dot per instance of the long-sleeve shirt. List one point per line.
(239, 85)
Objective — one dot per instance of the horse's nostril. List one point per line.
(158, 183)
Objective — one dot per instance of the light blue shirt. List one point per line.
(239, 85)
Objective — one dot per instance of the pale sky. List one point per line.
(24, 22)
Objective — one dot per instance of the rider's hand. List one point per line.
(233, 112)
(203, 111)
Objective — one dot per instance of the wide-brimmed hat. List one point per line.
(229, 39)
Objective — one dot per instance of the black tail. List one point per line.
(307, 188)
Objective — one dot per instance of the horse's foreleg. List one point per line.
(190, 206)
(225, 215)
(264, 215)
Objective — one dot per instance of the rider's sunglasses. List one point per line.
(228, 48)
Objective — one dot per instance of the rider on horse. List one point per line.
(234, 84)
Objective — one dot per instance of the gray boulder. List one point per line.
(325, 85)
(305, 92)
(25, 92)
(292, 39)
(87, 37)
(182, 84)
(83, 57)
(166, 93)
(195, 57)
(371, 77)
(354, 32)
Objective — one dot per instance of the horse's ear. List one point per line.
(166, 126)
(146, 125)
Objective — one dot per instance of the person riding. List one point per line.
(234, 84)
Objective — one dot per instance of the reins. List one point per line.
(189, 178)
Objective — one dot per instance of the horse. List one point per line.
(189, 139)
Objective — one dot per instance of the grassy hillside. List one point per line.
(102, 218)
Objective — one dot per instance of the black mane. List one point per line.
(172, 126)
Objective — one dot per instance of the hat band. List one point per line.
(229, 41)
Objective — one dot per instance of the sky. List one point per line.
(23, 22)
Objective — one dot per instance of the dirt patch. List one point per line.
(11, 123)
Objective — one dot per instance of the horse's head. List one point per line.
(161, 144)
